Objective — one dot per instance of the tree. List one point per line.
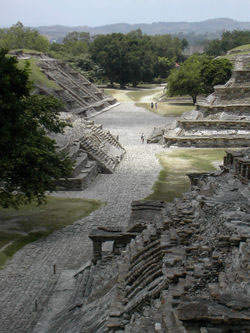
(162, 67)
(29, 163)
(18, 37)
(76, 43)
(198, 75)
(124, 58)
(186, 80)
(228, 41)
(214, 72)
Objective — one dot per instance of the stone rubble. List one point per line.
(186, 270)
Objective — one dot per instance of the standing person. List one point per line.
(152, 105)
(142, 138)
(155, 105)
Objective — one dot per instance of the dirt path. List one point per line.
(152, 97)
(29, 276)
(122, 95)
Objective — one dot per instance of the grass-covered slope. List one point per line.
(243, 49)
(36, 75)
(239, 50)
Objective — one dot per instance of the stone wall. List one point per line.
(208, 141)
(189, 274)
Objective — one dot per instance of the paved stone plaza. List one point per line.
(29, 275)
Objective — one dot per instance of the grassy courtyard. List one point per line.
(29, 223)
(176, 163)
(144, 97)
(165, 109)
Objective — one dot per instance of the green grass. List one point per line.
(109, 92)
(26, 51)
(138, 94)
(147, 85)
(240, 50)
(172, 180)
(28, 224)
(166, 109)
(36, 75)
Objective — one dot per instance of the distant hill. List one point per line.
(214, 26)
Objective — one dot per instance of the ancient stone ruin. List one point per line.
(184, 267)
(92, 149)
(222, 120)
(78, 95)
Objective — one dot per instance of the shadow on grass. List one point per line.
(172, 180)
(30, 223)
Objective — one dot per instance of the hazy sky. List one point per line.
(100, 12)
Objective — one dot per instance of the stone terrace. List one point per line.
(222, 120)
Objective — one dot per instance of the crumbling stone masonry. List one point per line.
(92, 149)
(186, 270)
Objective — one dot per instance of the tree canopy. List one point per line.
(198, 75)
(29, 163)
(228, 41)
(135, 57)
(18, 36)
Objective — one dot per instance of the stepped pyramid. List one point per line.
(223, 119)
(92, 149)
(78, 95)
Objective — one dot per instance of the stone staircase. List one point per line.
(78, 94)
(91, 149)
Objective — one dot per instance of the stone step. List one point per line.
(236, 108)
(80, 163)
(213, 124)
(81, 181)
(209, 141)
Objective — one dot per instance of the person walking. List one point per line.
(156, 105)
(142, 138)
(152, 105)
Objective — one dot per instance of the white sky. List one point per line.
(100, 12)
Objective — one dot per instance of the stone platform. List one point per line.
(222, 120)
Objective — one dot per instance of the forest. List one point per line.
(123, 58)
